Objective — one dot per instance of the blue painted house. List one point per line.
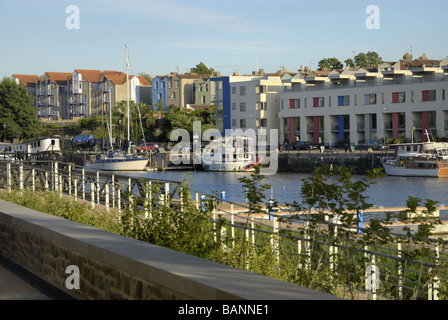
(159, 91)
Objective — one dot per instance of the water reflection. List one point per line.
(387, 191)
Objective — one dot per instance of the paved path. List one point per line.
(16, 283)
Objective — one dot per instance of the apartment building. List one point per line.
(29, 81)
(92, 92)
(400, 100)
(255, 104)
(51, 95)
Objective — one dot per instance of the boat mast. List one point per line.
(127, 98)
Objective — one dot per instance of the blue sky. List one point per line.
(230, 36)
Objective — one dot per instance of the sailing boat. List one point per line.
(117, 160)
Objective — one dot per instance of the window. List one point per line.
(429, 95)
(398, 97)
(242, 91)
(260, 89)
(318, 102)
(242, 106)
(294, 103)
(242, 123)
(233, 122)
(370, 98)
(233, 90)
(343, 101)
(260, 106)
(263, 123)
(233, 106)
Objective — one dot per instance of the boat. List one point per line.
(228, 154)
(118, 160)
(422, 159)
(43, 148)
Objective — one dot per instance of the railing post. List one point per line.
(433, 286)
(148, 204)
(275, 238)
(106, 200)
(197, 200)
(55, 176)
(21, 176)
(232, 219)
(98, 186)
(400, 272)
(76, 188)
(33, 181)
(372, 278)
(130, 198)
(113, 190)
(167, 194)
(92, 194)
(69, 179)
(8, 176)
(83, 184)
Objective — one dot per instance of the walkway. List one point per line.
(16, 283)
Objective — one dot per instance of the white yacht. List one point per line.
(228, 154)
(423, 159)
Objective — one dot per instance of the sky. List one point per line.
(229, 36)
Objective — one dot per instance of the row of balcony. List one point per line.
(360, 126)
(353, 84)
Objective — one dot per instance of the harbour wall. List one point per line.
(113, 267)
(288, 161)
(306, 162)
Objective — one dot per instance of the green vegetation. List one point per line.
(201, 68)
(17, 116)
(304, 248)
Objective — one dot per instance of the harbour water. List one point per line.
(385, 192)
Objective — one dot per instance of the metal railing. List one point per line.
(387, 272)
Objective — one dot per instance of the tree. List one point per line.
(370, 59)
(146, 76)
(17, 112)
(201, 68)
(329, 64)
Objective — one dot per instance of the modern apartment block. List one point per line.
(63, 96)
(51, 96)
(363, 105)
(255, 104)
(93, 92)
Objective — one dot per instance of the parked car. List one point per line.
(303, 145)
(148, 146)
(373, 144)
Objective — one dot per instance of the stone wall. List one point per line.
(114, 267)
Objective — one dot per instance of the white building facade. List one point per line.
(359, 106)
